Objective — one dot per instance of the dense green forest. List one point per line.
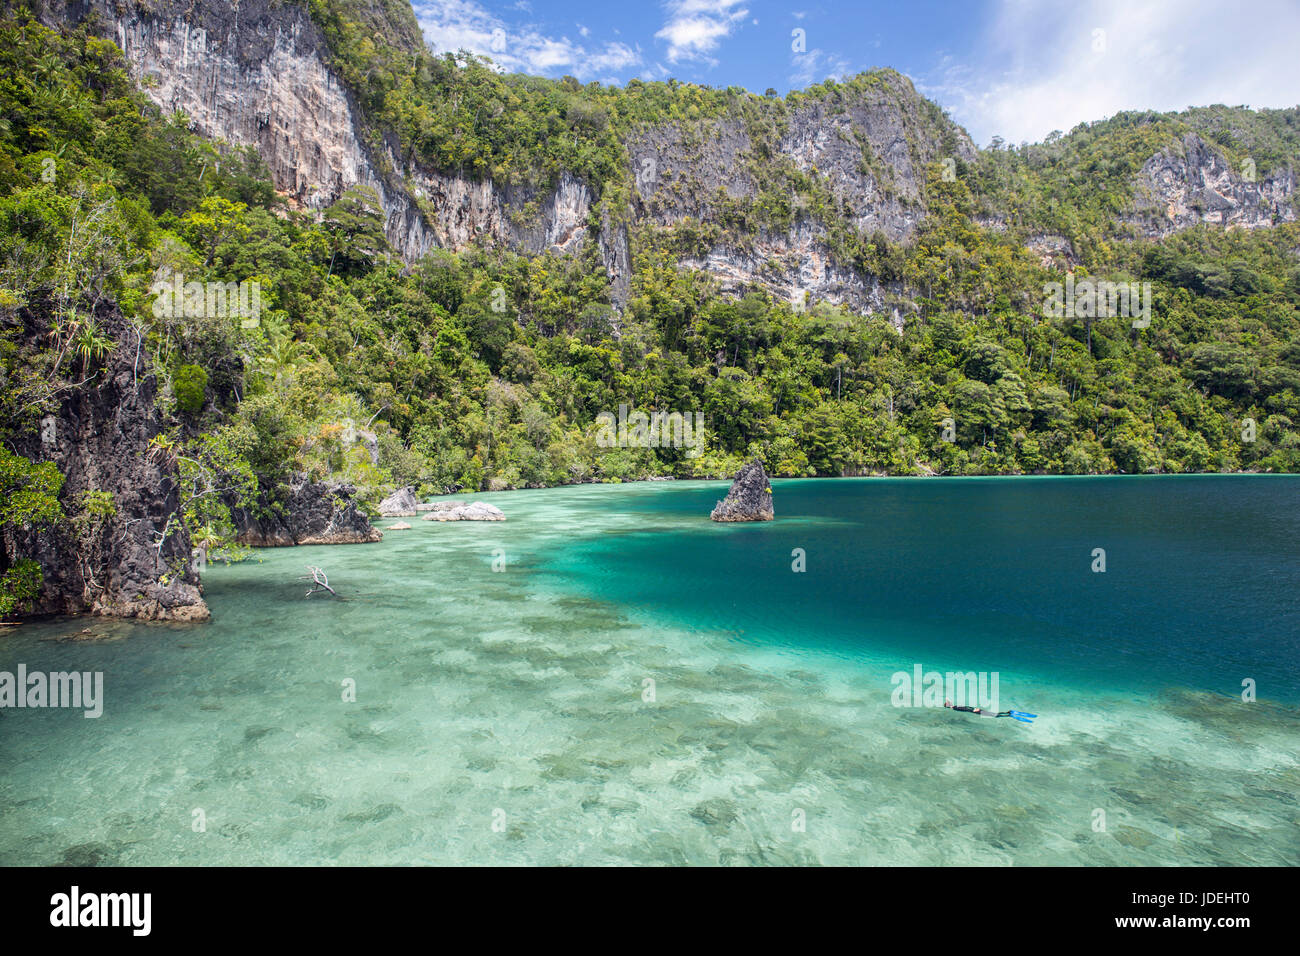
(486, 370)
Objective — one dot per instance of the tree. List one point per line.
(355, 226)
(29, 498)
(215, 222)
(189, 384)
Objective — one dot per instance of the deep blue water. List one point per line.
(1199, 589)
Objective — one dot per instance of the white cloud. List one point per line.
(617, 56)
(815, 66)
(583, 31)
(696, 27)
(451, 25)
(1041, 66)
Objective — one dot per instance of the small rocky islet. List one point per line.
(749, 498)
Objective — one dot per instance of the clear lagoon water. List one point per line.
(640, 685)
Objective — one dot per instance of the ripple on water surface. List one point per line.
(505, 717)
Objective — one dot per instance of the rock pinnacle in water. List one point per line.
(750, 497)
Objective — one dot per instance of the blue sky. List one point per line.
(1014, 68)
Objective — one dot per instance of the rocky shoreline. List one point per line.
(131, 559)
(313, 512)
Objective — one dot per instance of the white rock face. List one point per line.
(401, 503)
(792, 264)
(1052, 250)
(263, 81)
(287, 104)
(477, 511)
(567, 219)
(1193, 183)
(865, 151)
(256, 74)
(470, 212)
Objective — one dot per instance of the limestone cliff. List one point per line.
(869, 150)
(258, 73)
(99, 437)
(1190, 183)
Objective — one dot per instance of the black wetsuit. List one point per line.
(976, 710)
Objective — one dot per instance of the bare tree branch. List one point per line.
(320, 581)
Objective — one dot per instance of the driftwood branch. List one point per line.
(319, 581)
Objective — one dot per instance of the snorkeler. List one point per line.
(1016, 714)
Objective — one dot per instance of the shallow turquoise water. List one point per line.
(502, 717)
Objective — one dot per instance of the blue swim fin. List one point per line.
(1021, 713)
(1023, 718)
